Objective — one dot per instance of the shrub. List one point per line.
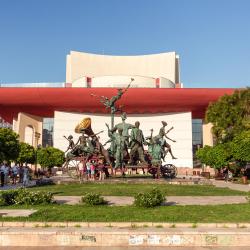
(7, 198)
(24, 197)
(93, 199)
(152, 198)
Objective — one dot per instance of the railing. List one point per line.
(33, 85)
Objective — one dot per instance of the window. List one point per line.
(48, 128)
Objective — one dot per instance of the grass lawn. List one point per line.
(172, 214)
(129, 189)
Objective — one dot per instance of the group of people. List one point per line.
(92, 170)
(14, 174)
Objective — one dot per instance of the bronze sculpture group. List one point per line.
(126, 142)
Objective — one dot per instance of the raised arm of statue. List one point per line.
(170, 139)
(167, 133)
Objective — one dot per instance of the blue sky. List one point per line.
(212, 37)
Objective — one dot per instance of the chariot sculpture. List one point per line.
(127, 142)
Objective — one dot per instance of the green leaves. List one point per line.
(230, 115)
(22, 196)
(240, 146)
(93, 199)
(218, 156)
(152, 198)
(26, 154)
(50, 157)
(9, 145)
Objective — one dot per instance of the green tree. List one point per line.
(230, 115)
(218, 156)
(50, 157)
(9, 145)
(240, 147)
(203, 154)
(26, 154)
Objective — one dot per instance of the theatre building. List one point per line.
(42, 113)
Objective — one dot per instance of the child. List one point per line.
(92, 169)
(88, 167)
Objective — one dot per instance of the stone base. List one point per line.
(117, 237)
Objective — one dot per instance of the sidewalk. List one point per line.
(234, 186)
(171, 200)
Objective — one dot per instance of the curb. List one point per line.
(122, 225)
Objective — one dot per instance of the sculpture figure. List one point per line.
(155, 151)
(71, 143)
(88, 145)
(136, 144)
(110, 103)
(125, 128)
(99, 148)
(164, 144)
(120, 143)
(82, 147)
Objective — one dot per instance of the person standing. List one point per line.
(2, 170)
(81, 167)
(20, 171)
(6, 174)
(101, 170)
(14, 174)
(92, 169)
(25, 176)
(88, 170)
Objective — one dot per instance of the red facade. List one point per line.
(44, 101)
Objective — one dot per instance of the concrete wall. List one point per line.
(81, 64)
(123, 81)
(64, 124)
(29, 128)
(207, 134)
(166, 83)
(80, 82)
